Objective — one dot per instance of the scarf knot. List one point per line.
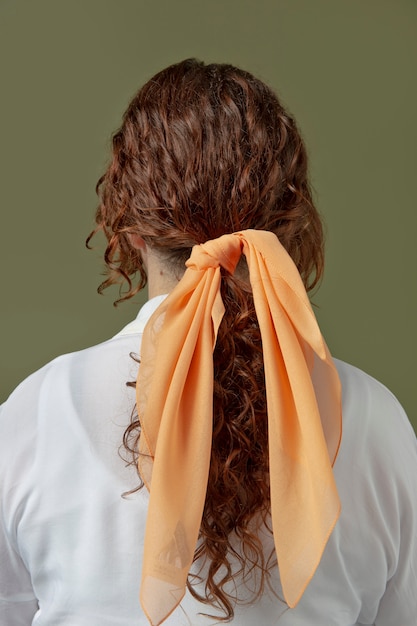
(224, 252)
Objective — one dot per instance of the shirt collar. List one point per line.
(138, 324)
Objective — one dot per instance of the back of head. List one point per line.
(206, 150)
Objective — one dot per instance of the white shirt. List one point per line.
(71, 546)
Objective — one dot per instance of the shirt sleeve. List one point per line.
(377, 474)
(18, 603)
(398, 476)
(399, 602)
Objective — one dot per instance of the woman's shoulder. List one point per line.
(365, 396)
(378, 437)
(83, 385)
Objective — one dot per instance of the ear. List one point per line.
(137, 242)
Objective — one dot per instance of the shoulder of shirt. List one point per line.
(360, 385)
(375, 424)
(33, 382)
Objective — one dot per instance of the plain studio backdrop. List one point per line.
(344, 68)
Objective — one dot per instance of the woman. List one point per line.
(256, 509)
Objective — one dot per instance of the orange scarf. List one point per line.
(175, 400)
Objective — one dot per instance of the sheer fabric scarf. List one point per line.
(175, 407)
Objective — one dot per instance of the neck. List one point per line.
(161, 279)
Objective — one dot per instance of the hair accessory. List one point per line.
(175, 398)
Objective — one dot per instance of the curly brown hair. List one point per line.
(206, 150)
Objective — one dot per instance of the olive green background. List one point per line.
(346, 69)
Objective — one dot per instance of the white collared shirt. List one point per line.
(71, 546)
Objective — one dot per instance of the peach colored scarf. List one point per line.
(174, 399)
